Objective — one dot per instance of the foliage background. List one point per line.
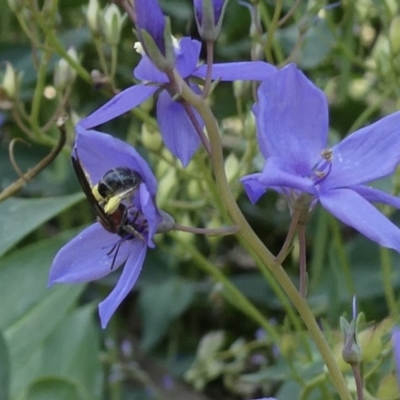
(51, 344)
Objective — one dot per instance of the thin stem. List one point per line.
(236, 297)
(38, 93)
(289, 237)
(303, 260)
(229, 230)
(272, 28)
(210, 59)
(387, 278)
(341, 254)
(197, 126)
(358, 379)
(18, 185)
(372, 108)
(254, 243)
(289, 13)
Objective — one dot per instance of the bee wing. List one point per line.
(87, 189)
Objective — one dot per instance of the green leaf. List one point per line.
(4, 370)
(18, 217)
(30, 310)
(160, 305)
(72, 351)
(52, 388)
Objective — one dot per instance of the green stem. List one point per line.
(269, 43)
(235, 297)
(38, 93)
(372, 108)
(247, 234)
(387, 278)
(341, 254)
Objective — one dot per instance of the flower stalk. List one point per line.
(253, 241)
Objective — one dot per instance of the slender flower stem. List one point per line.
(341, 254)
(234, 295)
(387, 278)
(272, 28)
(289, 237)
(253, 241)
(358, 379)
(197, 126)
(289, 13)
(210, 60)
(303, 260)
(230, 230)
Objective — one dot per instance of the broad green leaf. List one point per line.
(30, 310)
(72, 351)
(160, 305)
(52, 388)
(4, 370)
(18, 217)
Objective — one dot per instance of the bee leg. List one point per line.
(112, 204)
(134, 232)
(116, 249)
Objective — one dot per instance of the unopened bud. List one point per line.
(151, 139)
(10, 82)
(209, 16)
(231, 167)
(64, 74)
(394, 34)
(16, 5)
(351, 351)
(112, 23)
(93, 17)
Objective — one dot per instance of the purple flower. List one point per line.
(90, 255)
(208, 15)
(179, 135)
(396, 350)
(150, 19)
(292, 124)
(266, 398)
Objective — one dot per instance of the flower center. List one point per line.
(322, 169)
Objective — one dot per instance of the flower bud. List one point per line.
(64, 74)
(112, 24)
(231, 167)
(93, 17)
(154, 33)
(16, 5)
(394, 34)
(150, 139)
(10, 81)
(208, 14)
(351, 351)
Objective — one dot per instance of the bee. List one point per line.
(115, 186)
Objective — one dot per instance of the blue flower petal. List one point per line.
(292, 119)
(146, 71)
(367, 154)
(127, 280)
(147, 206)
(100, 152)
(118, 105)
(150, 18)
(277, 174)
(246, 70)
(85, 257)
(376, 196)
(253, 187)
(352, 209)
(180, 137)
(187, 56)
